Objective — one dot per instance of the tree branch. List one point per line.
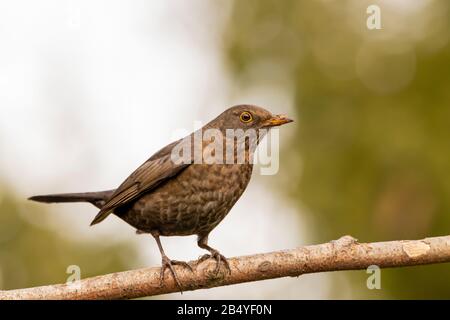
(343, 254)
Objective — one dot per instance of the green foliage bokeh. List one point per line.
(371, 147)
(32, 254)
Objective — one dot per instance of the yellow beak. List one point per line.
(277, 120)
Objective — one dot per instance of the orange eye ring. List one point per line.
(246, 117)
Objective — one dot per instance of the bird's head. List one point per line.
(248, 117)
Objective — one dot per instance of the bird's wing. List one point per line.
(149, 175)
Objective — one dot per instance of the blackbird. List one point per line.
(168, 197)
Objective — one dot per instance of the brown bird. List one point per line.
(169, 197)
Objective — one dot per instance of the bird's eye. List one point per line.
(246, 117)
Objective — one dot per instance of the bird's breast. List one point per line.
(193, 202)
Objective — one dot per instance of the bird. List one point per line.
(168, 197)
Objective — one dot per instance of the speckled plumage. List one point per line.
(194, 202)
(165, 198)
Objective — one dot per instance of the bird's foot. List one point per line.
(216, 255)
(168, 264)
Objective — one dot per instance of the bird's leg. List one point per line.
(216, 255)
(168, 264)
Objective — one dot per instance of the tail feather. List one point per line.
(98, 199)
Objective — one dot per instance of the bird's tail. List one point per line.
(98, 199)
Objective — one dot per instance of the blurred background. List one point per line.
(90, 89)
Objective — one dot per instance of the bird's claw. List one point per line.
(184, 264)
(168, 264)
(216, 255)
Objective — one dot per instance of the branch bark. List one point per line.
(342, 254)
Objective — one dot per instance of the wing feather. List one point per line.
(149, 175)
